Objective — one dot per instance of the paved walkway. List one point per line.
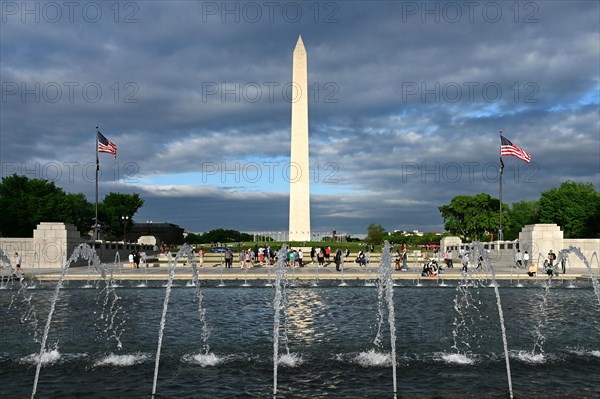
(310, 272)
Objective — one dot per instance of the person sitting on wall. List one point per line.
(548, 267)
(425, 271)
(532, 270)
(361, 259)
(430, 269)
(433, 269)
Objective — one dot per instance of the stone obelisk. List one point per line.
(299, 166)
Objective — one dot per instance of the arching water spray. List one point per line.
(479, 250)
(82, 251)
(187, 251)
(577, 252)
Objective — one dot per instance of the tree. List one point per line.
(193, 238)
(375, 234)
(573, 206)
(111, 210)
(78, 211)
(473, 217)
(521, 214)
(27, 202)
(223, 236)
(398, 237)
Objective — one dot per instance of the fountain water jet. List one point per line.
(163, 319)
(542, 320)
(4, 279)
(82, 251)
(246, 276)
(279, 302)
(187, 251)
(579, 254)
(481, 252)
(342, 282)
(385, 296)
(119, 268)
(221, 266)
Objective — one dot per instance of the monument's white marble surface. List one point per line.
(299, 166)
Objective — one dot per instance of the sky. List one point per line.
(406, 101)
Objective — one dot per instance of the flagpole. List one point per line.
(97, 170)
(500, 234)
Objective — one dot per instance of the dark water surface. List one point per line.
(330, 334)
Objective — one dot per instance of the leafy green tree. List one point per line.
(375, 234)
(473, 217)
(573, 206)
(111, 210)
(521, 214)
(398, 237)
(79, 211)
(193, 238)
(27, 202)
(223, 236)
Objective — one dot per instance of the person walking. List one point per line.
(201, 256)
(268, 254)
(465, 262)
(338, 259)
(525, 259)
(242, 258)
(18, 262)
(136, 259)
(518, 259)
(448, 259)
(248, 259)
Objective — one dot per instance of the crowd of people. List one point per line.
(323, 256)
(259, 256)
(551, 266)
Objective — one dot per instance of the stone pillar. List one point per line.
(450, 241)
(54, 243)
(539, 239)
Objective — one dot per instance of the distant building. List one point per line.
(408, 233)
(166, 233)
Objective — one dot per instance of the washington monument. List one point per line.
(299, 166)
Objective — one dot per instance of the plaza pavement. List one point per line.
(352, 271)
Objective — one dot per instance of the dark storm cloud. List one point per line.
(406, 103)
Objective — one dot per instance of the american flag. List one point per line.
(105, 145)
(508, 149)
